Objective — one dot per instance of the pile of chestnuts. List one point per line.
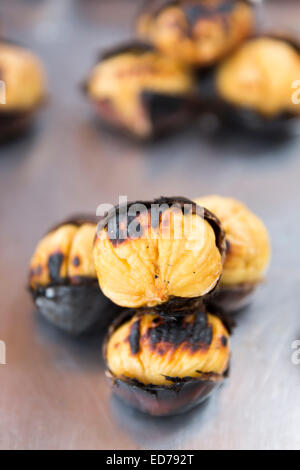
(175, 269)
(193, 57)
(190, 58)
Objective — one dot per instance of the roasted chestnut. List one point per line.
(62, 277)
(165, 366)
(253, 87)
(167, 250)
(196, 32)
(138, 90)
(23, 88)
(247, 254)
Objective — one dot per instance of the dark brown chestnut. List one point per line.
(196, 32)
(167, 251)
(23, 88)
(136, 89)
(230, 299)
(165, 366)
(247, 255)
(253, 88)
(62, 277)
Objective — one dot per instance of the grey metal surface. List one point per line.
(53, 392)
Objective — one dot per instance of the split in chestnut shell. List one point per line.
(196, 32)
(137, 90)
(166, 251)
(62, 278)
(164, 366)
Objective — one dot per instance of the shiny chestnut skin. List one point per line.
(231, 299)
(247, 255)
(165, 366)
(196, 32)
(167, 251)
(137, 90)
(252, 89)
(25, 88)
(62, 278)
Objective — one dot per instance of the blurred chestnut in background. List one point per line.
(63, 280)
(23, 88)
(247, 254)
(165, 366)
(138, 90)
(166, 251)
(253, 87)
(196, 32)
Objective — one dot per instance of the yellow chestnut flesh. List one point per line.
(24, 79)
(116, 85)
(197, 32)
(64, 253)
(178, 257)
(80, 260)
(259, 76)
(159, 351)
(248, 251)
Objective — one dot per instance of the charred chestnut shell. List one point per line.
(231, 299)
(73, 304)
(137, 90)
(249, 118)
(13, 124)
(142, 261)
(196, 32)
(166, 339)
(25, 88)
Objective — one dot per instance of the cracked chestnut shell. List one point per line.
(247, 255)
(62, 277)
(136, 89)
(196, 32)
(25, 88)
(166, 251)
(164, 366)
(253, 87)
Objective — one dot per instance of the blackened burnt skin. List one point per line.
(66, 291)
(177, 330)
(134, 337)
(166, 251)
(76, 261)
(175, 365)
(196, 32)
(195, 10)
(54, 266)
